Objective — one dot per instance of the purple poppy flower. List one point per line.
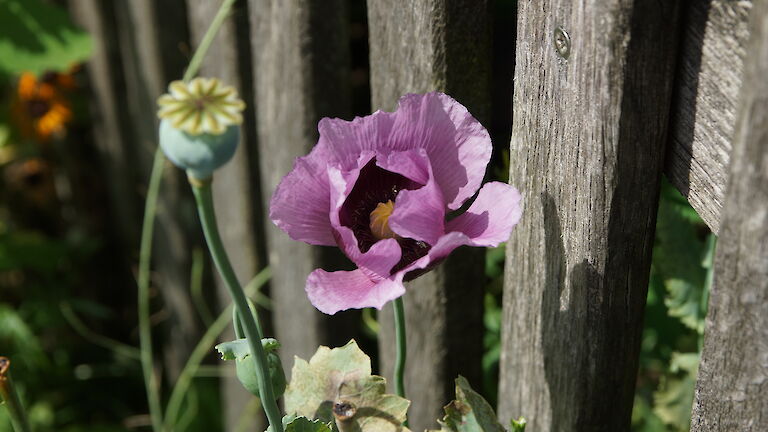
(380, 188)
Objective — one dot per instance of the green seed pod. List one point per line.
(200, 125)
(246, 373)
(200, 154)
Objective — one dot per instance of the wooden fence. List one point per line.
(607, 95)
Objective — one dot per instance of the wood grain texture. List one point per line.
(707, 84)
(154, 46)
(110, 121)
(236, 191)
(420, 46)
(586, 151)
(301, 67)
(733, 374)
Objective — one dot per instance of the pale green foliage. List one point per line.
(675, 313)
(673, 399)
(470, 412)
(292, 423)
(677, 262)
(38, 36)
(518, 425)
(343, 375)
(238, 349)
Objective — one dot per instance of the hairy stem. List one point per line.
(250, 322)
(196, 358)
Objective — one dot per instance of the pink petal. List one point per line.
(413, 164)
(347, 139)
(458, 146)
(384, 254)
(420, 214)
(331, 292)
(376, 262)
(442, 248)
(490, 219)
(301, 201)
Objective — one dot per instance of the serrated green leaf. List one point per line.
(673, 400)
(518, 425)
(469, 412)
(333, 377)
(684, 301)
(293, 423)
(677, 259)
(303, 424)
(38, 36)
(238, 348)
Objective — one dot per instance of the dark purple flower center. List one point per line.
(376, 185)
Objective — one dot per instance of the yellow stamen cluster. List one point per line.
(203, 105)
(380, 220)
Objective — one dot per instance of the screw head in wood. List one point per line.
(562, 42)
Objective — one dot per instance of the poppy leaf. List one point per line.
(292, 423)
(336, 385)
(469, 412)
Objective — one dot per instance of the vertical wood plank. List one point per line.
(301, 68)
(154, 45)
(237, 195)
(586, 152)
(110, 121)
(416, 47)
(733, 374)
(707, 84)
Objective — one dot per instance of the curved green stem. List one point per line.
(196, 286)
(147, 230)
(10, 398)
(204, 198)
(237, 325)
(202, 348)
(208, 37)
(397, 305)
(145, 327)
(79, 326)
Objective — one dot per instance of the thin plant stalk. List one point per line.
(196, 286)
(197, 356)
(10, 398)
(79, 326)
(250, 322)
(205, 43)
(399, 309)
(151, 382)
(147, 230)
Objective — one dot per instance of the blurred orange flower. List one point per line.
(40, 107)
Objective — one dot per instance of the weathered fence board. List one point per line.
(589, 125)
(153, 37)
(111, 129)
(417, 47)
(301, 68)
(133, 60)
(237, 195)
(733, 375)
(704, 106)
